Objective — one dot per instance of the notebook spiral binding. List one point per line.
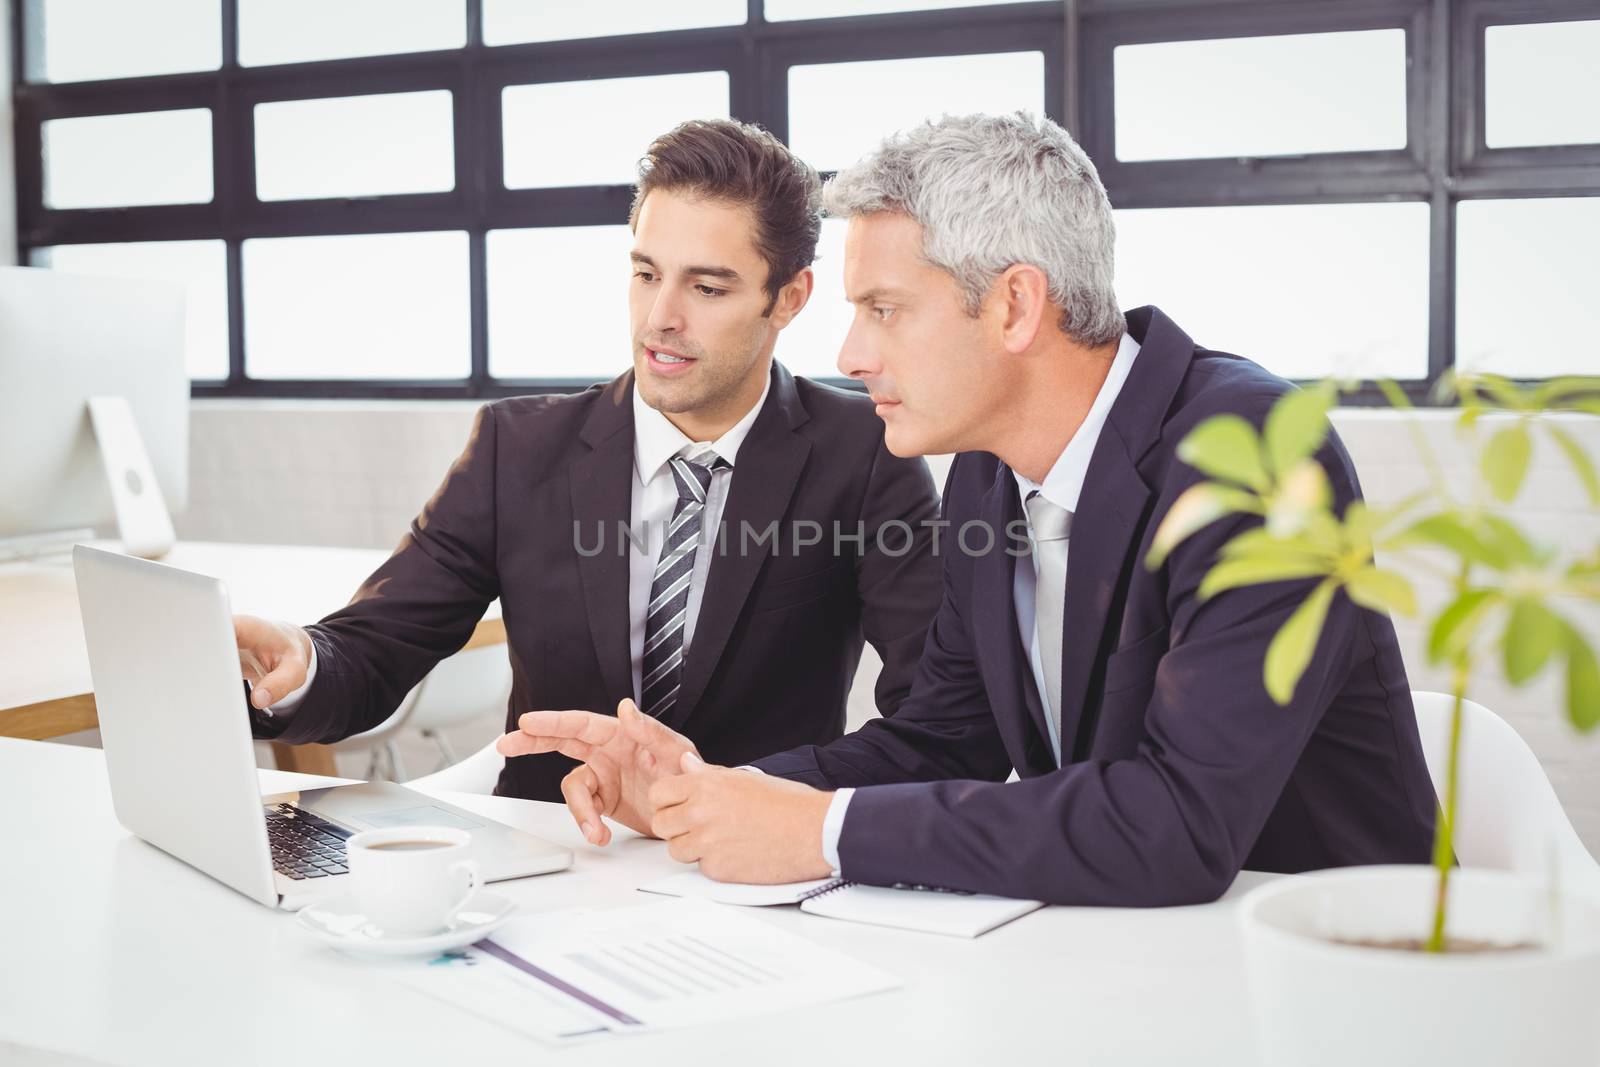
(824, 890)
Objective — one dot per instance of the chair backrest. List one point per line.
(1508, 816)
(478, 773)
(465, 686)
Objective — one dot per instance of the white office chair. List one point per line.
(466, 686)
(1508, 816)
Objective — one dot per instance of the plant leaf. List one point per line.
(1382, 591)
(1582, 465)
(1447, 531)
(1259, 570)
(1196, 507)
(1502, 390)
(1302, 497)
(1583, 683)
(1533, 633)
(1226, 447)
(1295, 641)
(1296, 427)
(1505, 461)
(1455, 626)
(1395, 395)
(1257, 542)
(1553, 392)
(1505, 540)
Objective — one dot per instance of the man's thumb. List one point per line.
(692, 764)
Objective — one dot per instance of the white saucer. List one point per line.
(338, 922)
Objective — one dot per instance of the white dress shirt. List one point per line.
(655, 495)
(1061, 486)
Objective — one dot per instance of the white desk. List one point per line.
(112, 951)
(44, 667)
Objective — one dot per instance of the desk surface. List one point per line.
(114, 952)
(42, 658)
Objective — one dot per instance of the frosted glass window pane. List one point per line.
(558, 302)
(553, 136)
(1304, 290)
(838, 112)
(355, 146)
(87, 40)
(1542, 84)
(1261, 96)
(297, 31)
(153, 157)
(390, 305)
(1526, 279)
(516, 21)
(810, 344)
(785, 10)
(200, 266)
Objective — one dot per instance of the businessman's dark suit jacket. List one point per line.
(780, 628)
(1180, 770)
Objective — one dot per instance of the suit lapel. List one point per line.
(764, 480)
(1104, 538)
(602, 495)
(1112, 510)
(1002, 660)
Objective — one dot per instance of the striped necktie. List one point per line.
(662, 670)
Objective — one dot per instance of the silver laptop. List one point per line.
(176, 734)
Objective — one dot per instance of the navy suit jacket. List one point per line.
(1179, 770)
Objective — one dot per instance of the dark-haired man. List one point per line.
(595, 517)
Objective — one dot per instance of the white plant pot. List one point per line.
(1318, 1002)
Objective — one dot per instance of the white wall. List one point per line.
(8, 176)
(354, 473)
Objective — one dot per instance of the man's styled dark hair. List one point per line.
(739, 163)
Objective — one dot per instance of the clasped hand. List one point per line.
(738, 825)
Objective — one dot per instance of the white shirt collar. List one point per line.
(1064, 484)
(656, 440)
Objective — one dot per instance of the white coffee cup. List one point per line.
(409, 880)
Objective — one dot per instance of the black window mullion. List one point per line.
(1439, 155)
(471, 135)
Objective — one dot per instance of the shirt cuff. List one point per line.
(285, 707)
(833, 826)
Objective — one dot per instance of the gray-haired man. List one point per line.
(1154, 765)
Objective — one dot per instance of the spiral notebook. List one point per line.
(932, 911)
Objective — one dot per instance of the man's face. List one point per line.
(934, 371)
(700, 341)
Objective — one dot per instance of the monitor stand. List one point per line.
(143, 522)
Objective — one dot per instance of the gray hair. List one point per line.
(992, 191)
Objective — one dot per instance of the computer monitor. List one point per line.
(66, 338)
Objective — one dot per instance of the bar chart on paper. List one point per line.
(654, 966)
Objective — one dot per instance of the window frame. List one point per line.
(1444, 161)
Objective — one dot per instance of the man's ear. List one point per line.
(1023, 300)
(792, 297)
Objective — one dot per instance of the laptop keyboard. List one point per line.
(303, 845)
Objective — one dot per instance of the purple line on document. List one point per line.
(500, 952)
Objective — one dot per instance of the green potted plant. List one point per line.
(1437, 963)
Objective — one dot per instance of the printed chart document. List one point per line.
(578, 975)
(923, 910)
